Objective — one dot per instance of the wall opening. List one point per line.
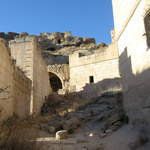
(59, 41)
(147, 28)
(55, 82)
(91, 79)
(51, 49)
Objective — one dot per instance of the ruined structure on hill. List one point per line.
(57, 62)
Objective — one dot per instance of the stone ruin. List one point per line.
(39, 65)
(47, 60)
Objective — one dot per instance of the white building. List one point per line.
(132, 33)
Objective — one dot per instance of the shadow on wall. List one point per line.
(108, 86)
(136, 92)
(104, 86)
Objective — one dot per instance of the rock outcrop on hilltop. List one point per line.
(65, 43)
(58, 43)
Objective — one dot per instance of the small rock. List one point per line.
(72, 123)
(63, 134)
(103, 135)
(51, 129)
(109, 131)
(114, 118)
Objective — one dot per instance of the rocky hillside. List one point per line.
(58, 43)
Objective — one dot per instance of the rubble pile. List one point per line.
(104, 114)
(83, 128)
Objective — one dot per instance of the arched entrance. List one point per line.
(55, 82)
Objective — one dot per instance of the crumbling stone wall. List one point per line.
(27, 53)
(15, 87)
(21, 93)
(134, 59)
(101, 65)
(6, 78)
(52, 59)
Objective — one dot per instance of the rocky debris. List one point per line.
(89, 124)
(47, 128)
(104, 114)
(63, 134)
(57, 104)
(71, 124)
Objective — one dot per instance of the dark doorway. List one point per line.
(55, 82)
(59, 41)
(91, 79)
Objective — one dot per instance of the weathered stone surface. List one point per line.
(27, 53)
(134, 58)
(86, 66)
(15, 87)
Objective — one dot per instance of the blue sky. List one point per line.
(87, 18)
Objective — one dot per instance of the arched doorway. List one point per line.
(55, 82)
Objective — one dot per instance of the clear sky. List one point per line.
(86, 18)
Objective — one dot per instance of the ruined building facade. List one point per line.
(27, 53)
(95, 71)
(24, 81)
(15, 87)
(80, 64)
(54, 62)
(132, 34)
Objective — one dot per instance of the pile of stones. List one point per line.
(105, 114)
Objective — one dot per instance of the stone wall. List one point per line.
(41, 84)
(28, 57)
(99, 66)
(122, 12)
(134, 58)
(6, 78)
(21, 92)
(52, 59)
(15, 87)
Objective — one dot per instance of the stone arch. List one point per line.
(62, 72)
(55, 81)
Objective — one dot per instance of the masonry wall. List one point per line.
(21, 93)
(134, 59)
(101, 65)
(122, 11)
(28, 57)
(22, 52)
(15, 87)
(6, 78)
(41, 84)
